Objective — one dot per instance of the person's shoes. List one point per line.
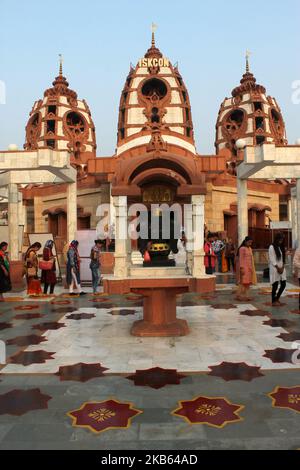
(72, 293)
(276, 304)
(82, 293)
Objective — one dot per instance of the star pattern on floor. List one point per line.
(5, 326)
(80, 372)
(19, 402)
(236, 371)
(276, 323)
(295, 312)
(156, 377)
(215, 412)
(290, 337)
(26, 340)
(123, 312)
(28, 316)
(101, 416)
(81, 316)
(288, 398)
(281, 355)
(256, 313)
(26, 358)
(223, 306)
(48, 326)
(99, 300)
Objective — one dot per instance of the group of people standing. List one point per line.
(47, 265)
(219, 254)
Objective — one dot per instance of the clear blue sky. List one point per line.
(99, 39)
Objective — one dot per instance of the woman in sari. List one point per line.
(5, 284)
(49, 276)
(246, 274)
(31, 267)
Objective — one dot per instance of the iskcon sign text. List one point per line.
(154, 62)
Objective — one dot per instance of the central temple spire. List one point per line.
(248, 54)
(153, 30)
(60, 65)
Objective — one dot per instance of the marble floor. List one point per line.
(74, 378)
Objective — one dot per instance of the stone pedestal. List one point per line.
(71, 211)
(160, 313)
(121, 242)
(16, 275)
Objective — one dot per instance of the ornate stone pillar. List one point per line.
(242, 203)
(294, 217)
(198, 269)
(71, 211)
(121, 234)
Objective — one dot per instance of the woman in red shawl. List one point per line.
(49, 276)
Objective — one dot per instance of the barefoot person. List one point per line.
(277, 268)
(246, 274)
(5, 284)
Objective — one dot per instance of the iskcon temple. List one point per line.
(155, 149)
(162, 354)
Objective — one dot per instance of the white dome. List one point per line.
(240, 144)
(13, 147)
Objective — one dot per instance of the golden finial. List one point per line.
(248, 54)
(153, 30)
(60, 64)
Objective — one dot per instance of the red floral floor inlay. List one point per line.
(26, 340)
(274, 323)
(295, 312)
(223, 306)
(286, 398)
(279, 355)
(123, 312)
(5, 326)
(27, 307)
(81, 372)
(239, 371)
(97, 300)
(156, 377)
(26, 358)
(101, 416)
(60, 302)
(48, 326)
(256, 313)
(215, 412)
(81, 316)
(19, 402)
(28, 316)
(290, 337)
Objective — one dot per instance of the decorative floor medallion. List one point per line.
(60, 302)
(101, 416)
(274, 323)
(290, 337)
(27, 307)
(81, 372)
(123, 312)
(28, 316)
(286, 398)
(215, 412)
(239, 371)
(48, 326)
(223, 306)
(5, 326)
(156, 377)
